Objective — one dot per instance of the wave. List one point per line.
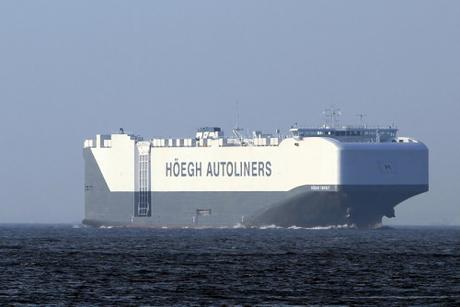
(294, 227)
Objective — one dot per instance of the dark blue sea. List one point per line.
(71, 265)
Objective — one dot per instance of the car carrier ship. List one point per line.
(330, 175)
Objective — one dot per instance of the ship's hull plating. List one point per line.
(363, 206)
(357, 184)
(304, 206)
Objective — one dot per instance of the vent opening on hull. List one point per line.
(201, 213)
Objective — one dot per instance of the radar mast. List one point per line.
(237, 131)
(361, 119)
(332, 115)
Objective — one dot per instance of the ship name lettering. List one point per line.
(183, 169)
(219, 169)
(239, 169)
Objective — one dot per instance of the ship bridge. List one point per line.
(349, 133)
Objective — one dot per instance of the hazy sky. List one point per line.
(71, 69)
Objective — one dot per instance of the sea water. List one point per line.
(70, 264)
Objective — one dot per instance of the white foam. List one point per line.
(344, 226)
(105, 227)
(273, 226)
(294, 227)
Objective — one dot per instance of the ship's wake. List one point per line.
(294, 227)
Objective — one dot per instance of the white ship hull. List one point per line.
(303, 182)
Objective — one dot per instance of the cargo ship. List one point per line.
(314, 176)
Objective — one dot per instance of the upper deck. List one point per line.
(214, 137)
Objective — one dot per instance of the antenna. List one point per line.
(237, 115)
(361, 119)
(332, 115)
(237, 130)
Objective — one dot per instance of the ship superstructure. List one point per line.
(331, 175)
